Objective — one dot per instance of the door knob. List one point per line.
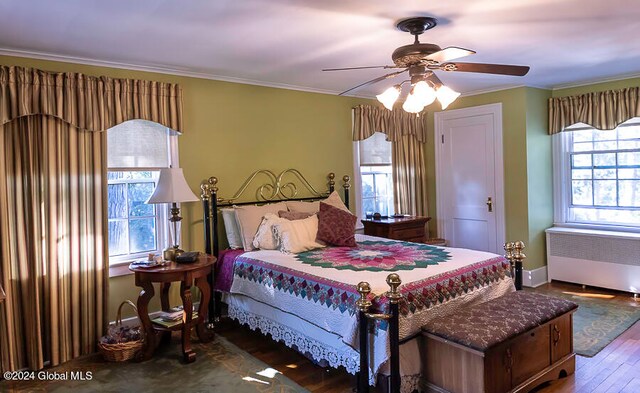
(489, 204)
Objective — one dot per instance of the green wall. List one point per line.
(232, 130)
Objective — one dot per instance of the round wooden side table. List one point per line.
(187, 274)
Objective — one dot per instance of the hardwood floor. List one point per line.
(615, 369)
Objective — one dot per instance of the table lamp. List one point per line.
(172, 188)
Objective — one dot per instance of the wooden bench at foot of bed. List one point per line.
(509, 344)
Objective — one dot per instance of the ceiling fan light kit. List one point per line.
(421, 60)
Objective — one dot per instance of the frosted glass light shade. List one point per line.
(172, 187)
(425, 93)
(446, 96)
(412, 104)
(389, 97)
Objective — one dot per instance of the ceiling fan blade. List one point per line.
(356, 68)
(449, 53)
(501, 69)
(376, 80)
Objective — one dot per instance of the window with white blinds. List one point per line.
(374, 186)
(136, 150)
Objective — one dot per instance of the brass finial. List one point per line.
(508, 248)
(346, 179)
(518, 255)
(205, 190)
(213, 181)
(364, 289)
(332, 182)
(394, 281)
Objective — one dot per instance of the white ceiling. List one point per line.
(287, 42)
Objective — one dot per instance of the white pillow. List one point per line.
(231, 227)
(265, 239)
(334, 200)
(303, 207)
(249, 219)
(298, 235)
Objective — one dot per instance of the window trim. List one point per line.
(562, 183)
(120, 267)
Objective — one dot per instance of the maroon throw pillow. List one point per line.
(291, 216)
(336, 226)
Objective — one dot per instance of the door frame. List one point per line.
(496, 111)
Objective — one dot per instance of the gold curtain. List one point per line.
(604, 110)
(408, 134)
(53, 225)
(53, 243)
(87, 102)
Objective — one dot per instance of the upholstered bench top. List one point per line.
(487, 324)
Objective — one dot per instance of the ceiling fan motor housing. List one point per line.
(408, 55)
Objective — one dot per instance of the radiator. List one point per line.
(597, 258)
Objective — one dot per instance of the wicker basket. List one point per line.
(121, 352)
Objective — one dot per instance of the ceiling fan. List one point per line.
(421, 59)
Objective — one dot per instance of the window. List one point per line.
(374, 184)
(598, 175)
(136, 150)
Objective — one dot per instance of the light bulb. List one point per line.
(425, 93)
(446, 96)
(412, 104)
(389, 96)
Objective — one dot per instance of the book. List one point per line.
(169, 324)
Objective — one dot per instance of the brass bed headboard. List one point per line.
(284, 186)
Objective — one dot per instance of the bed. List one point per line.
(313, 300)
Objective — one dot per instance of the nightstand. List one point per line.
(408, 229)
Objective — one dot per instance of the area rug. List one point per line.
(597, 321)
(220, 367)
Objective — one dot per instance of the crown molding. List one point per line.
(595, 81)
(164, 70)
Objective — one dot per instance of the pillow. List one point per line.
(249, 219)
(334, 200)
(336, 226)
(264, 238)
(303, 207)
(298, 235)
(231, 227)
(294, 215)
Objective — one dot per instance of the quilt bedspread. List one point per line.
(319, 286)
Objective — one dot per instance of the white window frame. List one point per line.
(357, 185)
(119, 265)
(561, 143)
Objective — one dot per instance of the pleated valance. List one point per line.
(604, 110)
(395, 124)
(87, 102)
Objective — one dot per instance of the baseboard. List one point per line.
(534, 278)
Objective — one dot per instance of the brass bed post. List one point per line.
(363, 323)
(394, 332)
(346, 185)
(332, 182)
(204, 195)
(515, 256)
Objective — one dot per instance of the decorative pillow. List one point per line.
(334, 200)
(249, 219)
(297, 236)
(294, 215)
(231, 227)
(264, 238)
(303, 207)
(336, 226)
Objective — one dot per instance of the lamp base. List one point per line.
(171, 253)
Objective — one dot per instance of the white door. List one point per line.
(469, 177)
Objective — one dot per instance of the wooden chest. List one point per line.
(519, 363)
(408, 229)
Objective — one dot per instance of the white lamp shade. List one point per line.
(389, 97)
(412, 104)
(425, 93)
(172, 187)
(446, 96)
